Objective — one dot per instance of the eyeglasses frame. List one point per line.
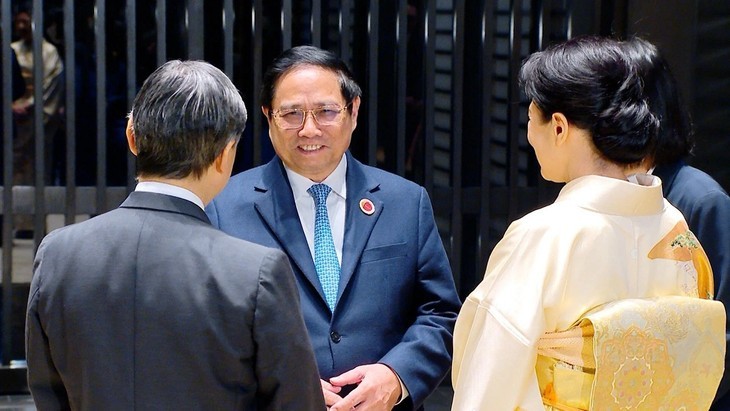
(306, 112)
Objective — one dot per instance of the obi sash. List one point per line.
(650, 354)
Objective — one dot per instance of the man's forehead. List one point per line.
(291, 90)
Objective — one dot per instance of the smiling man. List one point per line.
(377, 292)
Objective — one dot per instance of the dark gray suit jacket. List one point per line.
(149, 307)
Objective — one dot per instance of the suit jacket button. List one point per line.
(335, 337)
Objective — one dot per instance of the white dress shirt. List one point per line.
(336, 208)
(336, 204)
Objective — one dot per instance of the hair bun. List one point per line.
(626, 129)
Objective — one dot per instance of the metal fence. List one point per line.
(440, 107)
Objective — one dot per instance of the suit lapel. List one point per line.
(358, 225)
(276, 207)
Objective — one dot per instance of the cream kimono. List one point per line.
(602, 240)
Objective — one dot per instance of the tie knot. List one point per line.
(320, 193)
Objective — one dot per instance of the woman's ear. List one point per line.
(560, 127)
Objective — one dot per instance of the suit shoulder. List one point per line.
(240, 184)
(79, 230)
(697, 179)
(390, 180)
(693, 186)
(251, 175)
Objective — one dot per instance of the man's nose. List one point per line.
(310, 126)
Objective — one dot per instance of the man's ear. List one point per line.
(560, 127)
(227, 154)
(131, 140)
(355, 110)
(267, 111)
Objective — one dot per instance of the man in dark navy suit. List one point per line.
(380, 312)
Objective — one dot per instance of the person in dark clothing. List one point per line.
(18, 88)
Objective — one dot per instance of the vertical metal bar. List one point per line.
(39, 130)
(69, 36)
(228, 21)
(286, 24)
(196, 29)
(161, 20)
(316, 23)
(373, 65)
(543, 22)
(429, 62)
(457, 111)
(101, 131)
(543, 32)
(131, 77)
(402, 56)
(7, 226)
(485, 213)
(514, 107)
(346, 32)
(257, 23)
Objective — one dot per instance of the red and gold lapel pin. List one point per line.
(367, 206)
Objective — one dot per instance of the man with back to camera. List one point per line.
(378, 295)
(148, 306)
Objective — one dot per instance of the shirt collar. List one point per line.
(336, 181)
(171, 190)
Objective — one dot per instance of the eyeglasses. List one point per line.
(293, 118)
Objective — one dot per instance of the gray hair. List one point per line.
(183, 117)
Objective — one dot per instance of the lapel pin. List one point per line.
(367, 206)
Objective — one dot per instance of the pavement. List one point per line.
(438, 401)
(17, 403)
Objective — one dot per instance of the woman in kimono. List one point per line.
(605, 238)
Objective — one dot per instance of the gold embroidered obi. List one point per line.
(661, 353)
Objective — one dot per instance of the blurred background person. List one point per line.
(17, 91)
(18, 88)
(53, 86)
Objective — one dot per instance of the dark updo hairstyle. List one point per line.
(588, 80)
(675, 139)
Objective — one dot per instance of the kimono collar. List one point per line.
(613, 196)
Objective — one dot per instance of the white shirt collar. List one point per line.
(171, 190)
(336, 181)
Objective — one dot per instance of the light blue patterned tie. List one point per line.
(325, 255)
